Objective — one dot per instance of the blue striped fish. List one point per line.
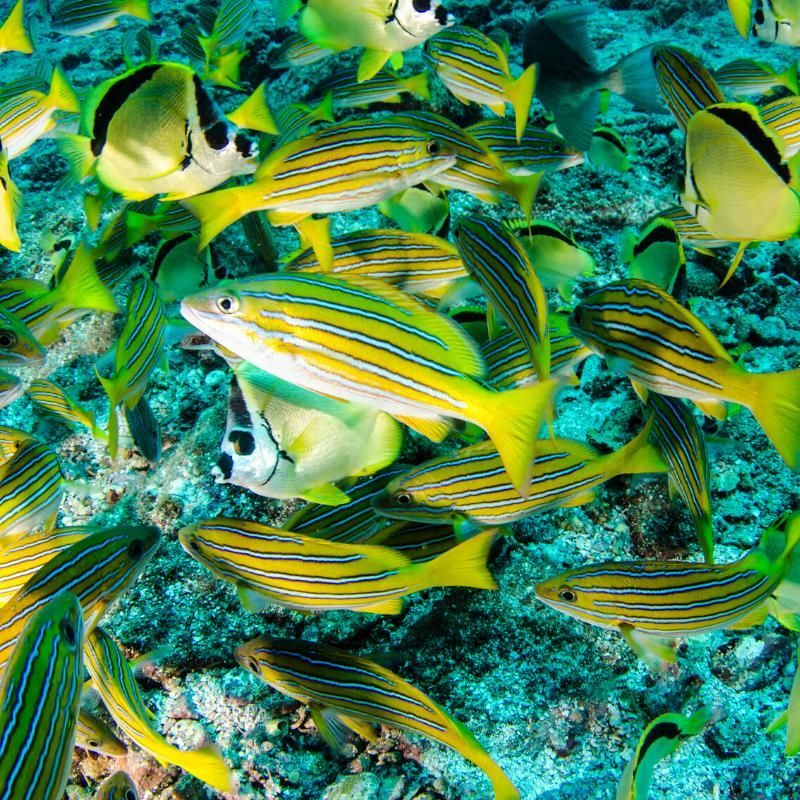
(83, 17)
(782, 116)
(644, 333)
(269, 565)
(537, 151)
(49, 397)
(140, 349)
(475, 68)
(362, 340)
(39, 696)
(31, 488)
(18, 345)
(650, 601)
(297, 51)
(690, 230)
(421, 543)
(687, 86)
(745, 76)
(97, 570)
(385, 86)
(92, 733)
(500, 265)
(114, 681)
(11, 388)
(681, 443)
(345, 692)
(470, 490)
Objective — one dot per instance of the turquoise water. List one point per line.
(558, 704)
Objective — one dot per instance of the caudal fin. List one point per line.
(774, 399)
(520, 95)
(254, 113)
(513, 420)
(217, 210)
(790, 79)
(639, 456)
(742, 13)
(207, 765)
(61, 94)
(464, 564)
(81, 286)
(524, 189)
(635, 79)
(418, 85)
(139, 9)
(13, 36)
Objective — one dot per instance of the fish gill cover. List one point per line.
(344, 344)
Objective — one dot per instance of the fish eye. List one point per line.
(403, 498)
(68, 632)
(135, 550)
(433, 148)
(557, 148)
(421, 6)
(129, 795)
(227, 304)
(567, 595)
(194, 545)
(250, 663)
(7, 339)
(93, 743)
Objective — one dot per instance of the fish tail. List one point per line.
(285, 9)
(524, 189)
(207, 765)
(705, 536)
(77, 150)
(520, 95)
(217, 210)
(790, 78)
(639, 456)
(254, 113)
(418, 85)
(13, 35)
(464, 564)
(635, 79)
(324, 111)
(503, 788)
(139, 9)
(775, 403)
(741, 11)
(513, 420)
(81, 286)
(61, 94)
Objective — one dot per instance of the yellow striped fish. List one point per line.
(500, 265)
(269, 565)
(11, 388)
(18, 345)
(345, 692)
(344, 167)
(662, 737)
(386, 86)
(470, 488)
(48, 311)
(783, 117)
(745, 76)
(97, 569)
(687, 86)
(680, 441)
(421, 543)
(31, 488)
(10, 206)
(31, 110)
(11, 439)
(508, 363)
(39, 696)
(52, 399)
(23, 558)
(79, 18)
(119, 786)
(417, 263)
(352, 522)
(92, 733)
(537, 151)
(297, 51)
(477, 169)
(650, 601)
(13, 36)
(140, 350)
(297, 119)
(113, 679)
(690, 230)
(360, 339)
(644, 333)
(475, 68)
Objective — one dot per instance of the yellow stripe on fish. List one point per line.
(687, 86)
(52, 399)
(346, 692)
(97, 570)
(417, 263)
(644, 333)
(310, 574)
(113, 679)
(475, 68)
(745, 76)
(500, 265)
(783, 117)
(470, 488)
(680, 441)
(690, 230)
(360, 339)
(648, 601)
(39, 696)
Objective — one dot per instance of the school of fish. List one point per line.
(441, 332)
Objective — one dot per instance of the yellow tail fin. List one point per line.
(418, 85)
(524, 189)
(463, 565)
(520, 95)
(513, 420)
(774, 399)
(254, 113)
(742, 13)
(207, 765)
(61, 94)
(638, 456)
(139, 9)
(217, 210)
(112, 389)
(13, 36)
(81, 286)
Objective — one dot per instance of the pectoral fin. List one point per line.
(653, 650)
